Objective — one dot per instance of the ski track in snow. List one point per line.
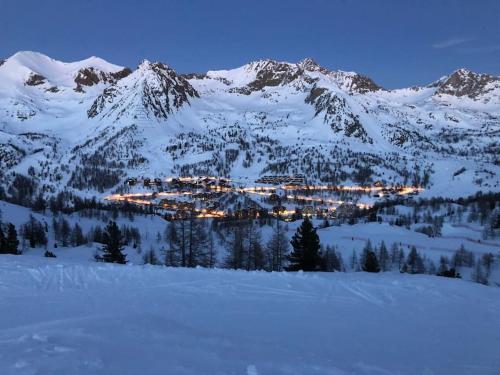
(65, 318)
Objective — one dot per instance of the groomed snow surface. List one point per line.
(60, 317)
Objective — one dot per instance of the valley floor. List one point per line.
(61, 317)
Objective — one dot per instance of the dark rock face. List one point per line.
(272, 73)
(466, 83)
(52, 89)
(363, 84)
(337, 113)
(100, 103)
(121, 74)
(309, 65)
(157, 87)
(2, 62)
(35, 80)
(172, 90)
(91, 76)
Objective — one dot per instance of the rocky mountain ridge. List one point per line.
(86, 126)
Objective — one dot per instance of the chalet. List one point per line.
(277, 180)
(308, 210)
(131, 181)
(158, 182)
(345, 210)
(147, 182)
(278, 210)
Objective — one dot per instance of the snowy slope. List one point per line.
(61, 318)
(71, 120)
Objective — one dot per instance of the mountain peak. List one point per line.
(153, 90)
(465, 82)
(310, 65)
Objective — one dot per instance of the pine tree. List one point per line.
(77, 238)
(172, 252)
(113, 248)
(354, 262)
(487, 260)
(3, 241)
(65, 232)
(368, 248)
(236, 248)
(150, 257)
(305, 254)
(197, 243)
(443, 266)
(331, 260)
(277, 248)
(394, 254)
(383, 257)
(255, 253)
(34, 232)
(11, 242)
(414, 264)
(211, 256)
(371, 263)
(478, 275)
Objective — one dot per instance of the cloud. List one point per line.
(480, 49)
(452, 42)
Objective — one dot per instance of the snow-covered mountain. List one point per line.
(88, 125)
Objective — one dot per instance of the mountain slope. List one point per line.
(236, 322)
(86, 126)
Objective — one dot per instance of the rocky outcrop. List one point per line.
(153, 91)
(35, 80)
(337, 113)
(91, 76)
(463, 82)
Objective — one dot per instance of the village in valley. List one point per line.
(288, 197)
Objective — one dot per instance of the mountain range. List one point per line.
(87, 126)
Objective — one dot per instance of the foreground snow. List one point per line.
(68, 318)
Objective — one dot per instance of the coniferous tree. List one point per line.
(354, 262)
(211, 256)
(478, 275)
(150, 257)
(3, 241)
(443, 266)
(255, 254)
(236, 248)
(401, 258)
(383, 258)
(414, 263)
(394, 253)
(77, 237)
(368, 248)
(39, 204)
(112, 249)
(487, 260)
(11, 241)
(65, 232)
(370, 263)
(172, 252)
(331, 260)
(34, 232)
(277, 248)
(305, 255)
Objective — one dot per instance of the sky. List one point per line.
(398, 43)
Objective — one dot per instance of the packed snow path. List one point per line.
(67, 318)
